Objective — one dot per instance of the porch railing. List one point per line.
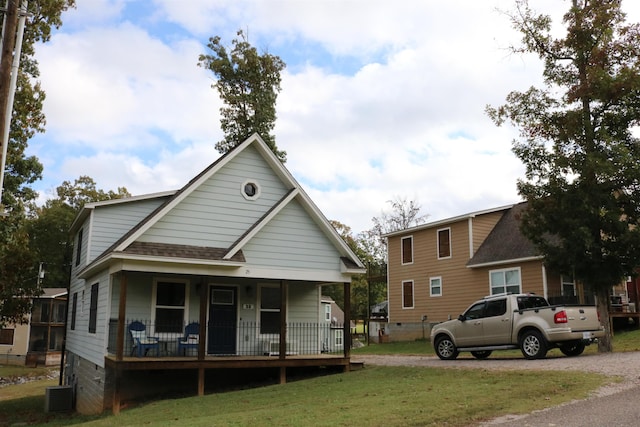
(241, 339)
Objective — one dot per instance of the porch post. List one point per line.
(283, 320)
(203, 323)
(122, 308)
(347, 320)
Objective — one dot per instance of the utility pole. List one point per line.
(12, 33)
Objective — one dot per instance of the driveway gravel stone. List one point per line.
(615, 404)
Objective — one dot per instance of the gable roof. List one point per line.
(505, 243)
(446, 221)
(127, 247)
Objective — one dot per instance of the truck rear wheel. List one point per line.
(572, 348)
(445, 348)
(533, 345)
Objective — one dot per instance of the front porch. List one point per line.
(237, 328)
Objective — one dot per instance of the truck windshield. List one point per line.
(531, 302)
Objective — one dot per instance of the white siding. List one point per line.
(303, 303)
(111, 222)
(292, 239)
(91, 346)
(216, 213)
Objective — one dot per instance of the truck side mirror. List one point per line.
(461, 318)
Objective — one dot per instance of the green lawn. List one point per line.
(373, 396)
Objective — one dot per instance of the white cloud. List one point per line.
(132, 109)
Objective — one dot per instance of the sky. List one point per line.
(380, 100)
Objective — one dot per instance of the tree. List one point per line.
(83, 190)
(248, 83)
(43, 238)
(576, 142)
(403, 214)
(27, 117)
(18, 264)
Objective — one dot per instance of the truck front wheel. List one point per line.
(533, 345)
(572, 348)
(446, 349)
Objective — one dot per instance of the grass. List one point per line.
(374, 396)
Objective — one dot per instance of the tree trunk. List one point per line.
(605, 344)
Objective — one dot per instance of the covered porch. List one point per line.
(232, 324)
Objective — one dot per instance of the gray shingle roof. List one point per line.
(505, 242)
(180, 251)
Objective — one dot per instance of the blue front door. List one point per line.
(223, 309)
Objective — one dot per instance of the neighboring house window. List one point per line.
(79, 247)
(269, 310)
(170, 306)
(407, 294)
(339, 337)
(327, 312)
(444, 243)
(6, 336)
(93, 308)
(74, 309)
(82, 303)
(435, 286)
(503, 281)
(568, 286)
(407, 250)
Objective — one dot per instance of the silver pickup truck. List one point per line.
(511, 321)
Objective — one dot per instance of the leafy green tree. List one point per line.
(27, 117)
(18, 264)
(248, 83)
(50, 241)
(83, 190)
(18, 272)
(576, 142)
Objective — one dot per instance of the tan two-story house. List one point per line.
(436, 270)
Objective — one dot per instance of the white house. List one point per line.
(225, 273)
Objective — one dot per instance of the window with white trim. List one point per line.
(505, 280)
(568, 286)
(435, 286)
(339, 337)
(327, 312)
(407, 250)
(269, 310)
(407, 294)
(170, 305)
(444, 243)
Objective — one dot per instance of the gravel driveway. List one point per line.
(612, 405)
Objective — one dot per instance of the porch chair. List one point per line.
(190, 340)
(141, 342)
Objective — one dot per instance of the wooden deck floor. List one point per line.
(225, 362)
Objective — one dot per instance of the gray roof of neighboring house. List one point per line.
(505, 242)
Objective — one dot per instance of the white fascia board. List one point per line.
(447, 221)
(506, 261)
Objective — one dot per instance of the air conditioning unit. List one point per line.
(58, 398)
